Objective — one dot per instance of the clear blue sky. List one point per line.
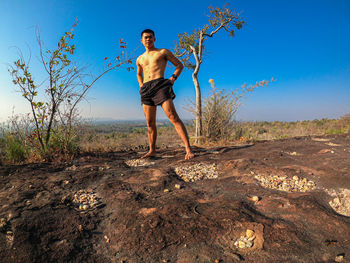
(304, 44)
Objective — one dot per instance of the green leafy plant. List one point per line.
(54, 102)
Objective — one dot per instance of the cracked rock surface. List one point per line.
(274, 201)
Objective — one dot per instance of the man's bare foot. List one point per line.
(148, 155)
(189, 155)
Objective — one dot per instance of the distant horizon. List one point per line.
(107, 120)
(188, 120)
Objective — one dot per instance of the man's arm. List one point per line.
(177, 63)
(139, 73)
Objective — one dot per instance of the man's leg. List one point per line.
(150, 113)
(169, 109)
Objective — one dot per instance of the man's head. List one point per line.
(148, 38)
(148, 31)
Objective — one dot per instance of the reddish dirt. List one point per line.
(197, 223)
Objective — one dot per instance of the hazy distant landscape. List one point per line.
(114, 134)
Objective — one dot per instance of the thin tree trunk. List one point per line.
(53, 112)
(49, 127)
(37, 127)
(198, 133)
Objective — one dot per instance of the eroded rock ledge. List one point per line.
(276, 201)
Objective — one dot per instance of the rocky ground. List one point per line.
(274, 201)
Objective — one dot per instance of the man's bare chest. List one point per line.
(153, 60)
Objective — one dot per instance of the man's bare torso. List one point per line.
(153, 64)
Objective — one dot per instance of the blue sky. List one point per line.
(303, 44)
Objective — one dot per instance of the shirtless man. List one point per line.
(155, 90)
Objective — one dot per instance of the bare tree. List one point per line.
(66, 86)
(191, 46)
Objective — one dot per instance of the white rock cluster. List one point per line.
(138, 162)
(341, 201)
(198, 171)
(85, 200)
(284, 183)
(246, 241)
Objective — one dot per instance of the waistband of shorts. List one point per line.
(148, 82)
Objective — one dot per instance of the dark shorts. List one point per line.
(156, 91)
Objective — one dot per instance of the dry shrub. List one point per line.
(219, 110)
(15, 151)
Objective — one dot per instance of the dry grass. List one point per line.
(116, 137)
(97, 140)
(281, 130)
(94, 141)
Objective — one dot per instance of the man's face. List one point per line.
(148, 40)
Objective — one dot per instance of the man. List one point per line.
(155, 90)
